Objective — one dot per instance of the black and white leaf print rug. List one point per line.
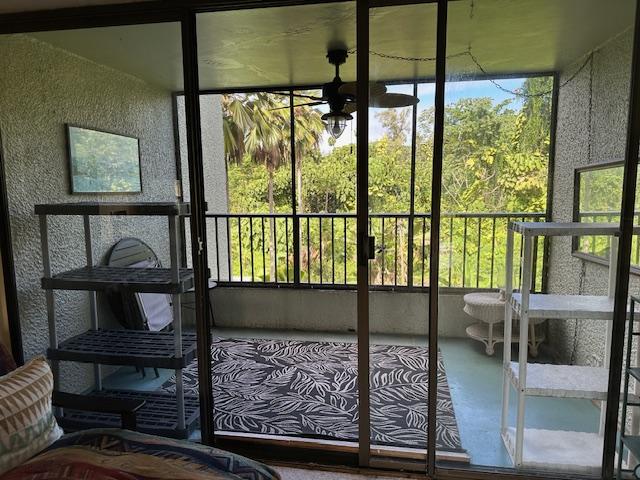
(300, 388)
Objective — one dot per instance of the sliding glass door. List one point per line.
(395, 117)
(281, 226)
(424, 251)
(511, 156)
(398, 223)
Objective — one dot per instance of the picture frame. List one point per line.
(102, 162)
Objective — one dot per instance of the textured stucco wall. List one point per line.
(333, 310)
(215, 176)
(592, 119)
(41, 89)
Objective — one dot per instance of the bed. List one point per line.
(115, 454)
(33, 447)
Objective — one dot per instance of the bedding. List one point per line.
(114, 454)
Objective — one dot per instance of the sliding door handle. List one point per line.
(368, 249)
(371, 248)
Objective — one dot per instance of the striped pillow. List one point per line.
(27, 424)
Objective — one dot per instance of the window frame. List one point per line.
(589, 257)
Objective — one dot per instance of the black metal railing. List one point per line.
(260, 249)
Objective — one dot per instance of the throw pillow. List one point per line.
(27, 424)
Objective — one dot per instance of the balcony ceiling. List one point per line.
(287, 45)
(15, 6)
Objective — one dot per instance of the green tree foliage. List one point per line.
(330, 181)
(495, 160)
(256, 130)
(495, 157)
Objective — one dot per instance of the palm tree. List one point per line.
(258, 125)
(308, 131)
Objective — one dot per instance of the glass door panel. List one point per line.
(513, 139)
(93, 122)
(399, 200)
(281, 225)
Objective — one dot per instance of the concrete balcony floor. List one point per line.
(475, 381)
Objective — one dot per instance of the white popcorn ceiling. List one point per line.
(15, 6)
(287, 45)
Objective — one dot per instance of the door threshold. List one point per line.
(342, 446)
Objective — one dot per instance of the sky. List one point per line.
(454, 91)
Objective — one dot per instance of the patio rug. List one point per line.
(299, 388)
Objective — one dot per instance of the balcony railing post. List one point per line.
(493, 249)
(333, 254)
(345, 249)
(450, 248)
(320, 235)
(275, 247)
(384, 251)
(215, 223)
(240, 246)
(424, 228)
(294, 210)
(464, 252)
(229, 263)
(534, 265)
(308, 249)
(286, 236)
(251, 246)
(478, 250)
(395, 253)
(296, 250)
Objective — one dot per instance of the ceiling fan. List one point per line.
(341, 97)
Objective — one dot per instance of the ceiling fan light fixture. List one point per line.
(335, 123)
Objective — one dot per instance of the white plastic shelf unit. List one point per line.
(551, 449)
(120, 347)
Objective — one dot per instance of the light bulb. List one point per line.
(335, 123)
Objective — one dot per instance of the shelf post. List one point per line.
(51, 304)
(635, 421)
(613, 270)
(93, 305)
(508, 320)
(625, 396)
(613, 267)
(525, 290)
(174, 248)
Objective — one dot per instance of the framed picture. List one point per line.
(103, 162)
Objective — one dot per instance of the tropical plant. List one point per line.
(308, 132)
(257, 125)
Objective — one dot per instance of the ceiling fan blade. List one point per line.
(300, 95)
(392, 100)
(309, 104)
(386, 100)
(375, 88)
